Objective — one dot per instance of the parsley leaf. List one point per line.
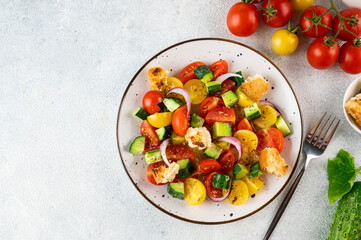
(341, 175)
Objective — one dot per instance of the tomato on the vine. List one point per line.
(301, 5)
(323, 52)
(352, 25)
(243, 19)
(276, 13)
(350, 57)
(314, 26)
(284, 41)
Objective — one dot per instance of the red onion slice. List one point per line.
(264, 102)
(163, 148)
(234, 141)
(226, 76)
(185, 94)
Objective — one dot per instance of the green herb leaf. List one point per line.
(341, 175)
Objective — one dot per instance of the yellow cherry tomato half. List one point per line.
(194, 191)
(284, 42)
(173, 82)
(249, 143)
(159, 120)
(239, 193)
(268, 118)
(197, 90)
(301, 5)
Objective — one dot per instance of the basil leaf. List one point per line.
(341, 175)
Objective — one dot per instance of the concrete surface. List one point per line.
(64, 66)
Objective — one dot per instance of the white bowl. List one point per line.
(352, 90)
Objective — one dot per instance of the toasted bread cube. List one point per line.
(255, 87)
(158, 78)
(353, 107)
(271, 162)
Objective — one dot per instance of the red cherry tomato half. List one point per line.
(270, 138)
(228, 85)
(208, 165)
(316, 30)
(277, 13)
(353, 25)
(222, 114)
(178, 152)
(150, 175)
(219, 68)
(210, 103)
(188, 72)
(150, 101)
(226, 160)
(350, 58)
(322, 56)
(180, 121)
(212, 191)
(243, 19)
(244, 124)
(151, 137)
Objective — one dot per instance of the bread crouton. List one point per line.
(271, 161)
(255, 87)
(163, 174)
(158, 78)
(353, 107)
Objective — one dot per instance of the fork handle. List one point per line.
(284, 205)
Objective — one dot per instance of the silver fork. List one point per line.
(313, 146)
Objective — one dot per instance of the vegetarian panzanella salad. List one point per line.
(208, 132)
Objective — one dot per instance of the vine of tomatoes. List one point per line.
(243, 20)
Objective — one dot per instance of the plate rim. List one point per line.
(183, 218)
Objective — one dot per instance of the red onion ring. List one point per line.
(234, 141)
(226, 76)
(186, 96)
(163, 148)
(264, 102)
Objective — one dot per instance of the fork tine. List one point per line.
(325, 144)
(313, 130)
(317, 135)
(319, 142)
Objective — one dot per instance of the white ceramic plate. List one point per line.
(353, 89)
(239, 57)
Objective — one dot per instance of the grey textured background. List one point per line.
(64, 66)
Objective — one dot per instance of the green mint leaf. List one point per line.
(341, 175)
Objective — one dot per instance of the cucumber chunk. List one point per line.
(141, 113)
(213, 152)
(204, 73)
(164, 132)
(196, 121)
(221, 181)
(252, 112)
(229, 98)
(239, 171)
(221, 129)
(137, 146)
(213, 87)
(238, 80)
(282, 126)
(185, 168)
(255, 170)
(176, 190)
(172, 104)
(153, 156)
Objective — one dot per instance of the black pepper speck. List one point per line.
(231, 214)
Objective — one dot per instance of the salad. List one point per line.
(208, 133)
